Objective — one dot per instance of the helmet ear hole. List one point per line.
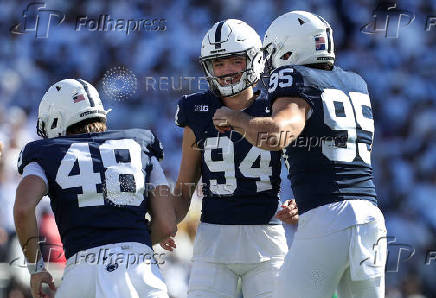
(286, 56)
(54, 124)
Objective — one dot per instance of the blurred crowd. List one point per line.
(400, 73)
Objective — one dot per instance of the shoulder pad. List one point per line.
(187, 105)
(28, 154)
(150, 144)
(287, 81)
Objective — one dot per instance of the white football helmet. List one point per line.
(65, 103)
(232, 37)
(306, 37)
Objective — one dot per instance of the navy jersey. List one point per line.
(330, 160)
(240, 182)
(97, 184)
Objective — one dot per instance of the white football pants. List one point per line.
(217, 280)
(130, 271)
(350, 260)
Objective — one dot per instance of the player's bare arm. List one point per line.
(163, 215)
(189, 174)
(269, 133)
(29, 192)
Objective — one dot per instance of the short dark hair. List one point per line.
(95, 124)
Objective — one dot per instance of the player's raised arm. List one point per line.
(269, 133)
(29, 192)
(189, 174)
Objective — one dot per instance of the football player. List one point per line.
(100, 185)
(239, 235)
(322, 119)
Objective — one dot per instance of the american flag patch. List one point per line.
(320, 43)
(78, 98)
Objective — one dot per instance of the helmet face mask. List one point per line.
(40, 128)
(230, 83)
(238, 39)
(226, 78)
(49, 126)
(268, 52)
(66, 103)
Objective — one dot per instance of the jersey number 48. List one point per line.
(123, 181)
